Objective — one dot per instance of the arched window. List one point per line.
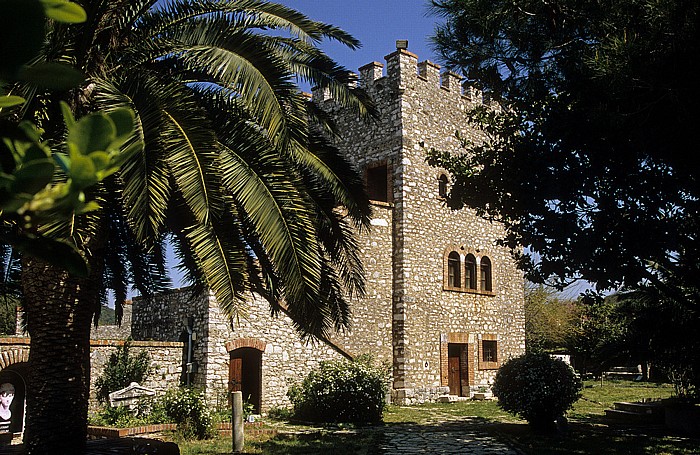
(470, 271)
(485, 274)
(442, 185)
(453, 266)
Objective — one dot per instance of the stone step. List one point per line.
(640, 408)
(633, 417)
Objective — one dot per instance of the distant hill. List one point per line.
(107, 316)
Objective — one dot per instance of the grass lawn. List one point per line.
(588, 433)
(312, 441)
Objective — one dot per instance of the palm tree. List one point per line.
(234, 171)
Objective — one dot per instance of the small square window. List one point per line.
(488, 355)
(490, 351)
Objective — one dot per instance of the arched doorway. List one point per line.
(245, 375)
(12, 382)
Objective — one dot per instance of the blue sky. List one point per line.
(377, 24)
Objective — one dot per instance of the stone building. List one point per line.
(444, 303)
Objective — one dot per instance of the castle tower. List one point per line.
(452, 298)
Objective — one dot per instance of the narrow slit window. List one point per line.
(442, 186)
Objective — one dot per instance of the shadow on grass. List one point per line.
(363, 441)
(592, 437)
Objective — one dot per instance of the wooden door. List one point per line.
(235, 375)
(454, 376)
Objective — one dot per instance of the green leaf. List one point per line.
(68, 117)
(100, 160)
(82, 171)
(52, 75)
(33, 177)
(10, 100)
(64, 11)
(123, 119)
(36, 152)
(92, 133)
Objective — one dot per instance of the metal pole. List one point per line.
(237, 421)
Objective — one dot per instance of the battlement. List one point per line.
(403, 70)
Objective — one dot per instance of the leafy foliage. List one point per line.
(8, 315)
(187, 407)
(537, 388)
(230, 169)
(551, 323)
(122, 369)
(342, 391)
(230, 172)
(591, 162)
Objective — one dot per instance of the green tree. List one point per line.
(592, 160)
(603, 328)
(551, 323)
(230, 171)
(122, 368)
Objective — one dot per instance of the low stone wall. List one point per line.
(167, 359)
(407, 397)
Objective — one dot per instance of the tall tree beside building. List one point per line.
(592, 161)
(229, 171)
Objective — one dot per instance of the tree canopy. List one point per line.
(591, 158)
(223, 161)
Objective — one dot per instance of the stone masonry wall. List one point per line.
(166, 362)
(165, 318)
(113, 331)
(420, 111)
(286, 359)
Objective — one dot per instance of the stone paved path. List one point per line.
(459, 436)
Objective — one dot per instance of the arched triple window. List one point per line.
(485, 268)
(470, 271)
(454, 279)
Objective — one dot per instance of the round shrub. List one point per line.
(187, 407)
(537, 388)
(342, 391)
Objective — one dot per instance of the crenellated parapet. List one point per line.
(404, 71)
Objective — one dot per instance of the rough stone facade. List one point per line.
(422, 109)
(444, 303)
(113, 331)
(283, 358)
(166, 361)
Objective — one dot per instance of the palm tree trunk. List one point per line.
(58, 310)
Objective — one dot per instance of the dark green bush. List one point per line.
(537, 388)
(342, 391)
(122, 369)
